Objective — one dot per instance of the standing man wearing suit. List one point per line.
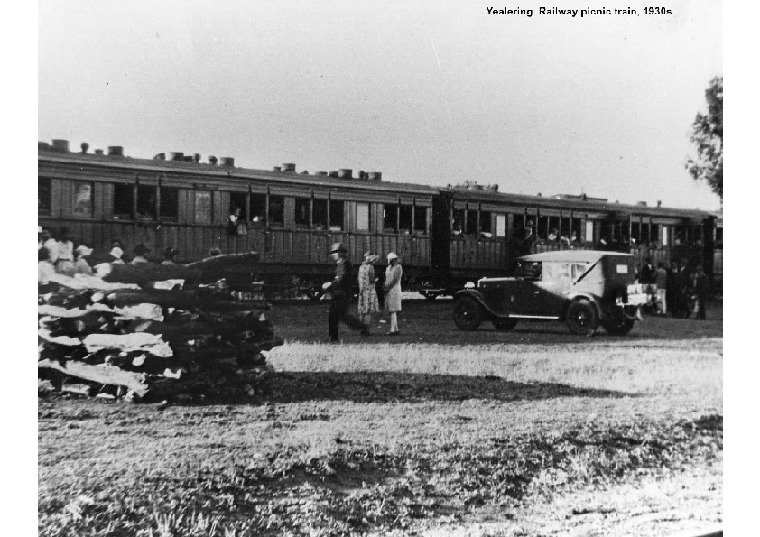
(341, 291)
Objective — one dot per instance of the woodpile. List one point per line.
(148, 340)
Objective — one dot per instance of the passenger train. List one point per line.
(444, 236)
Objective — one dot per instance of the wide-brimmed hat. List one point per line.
(391, 256)
(338, 248)
(370, 257)
(83, 250)
(141, 249)
(116, 252)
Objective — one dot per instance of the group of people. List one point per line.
(673, 289)
(341, 292)
(531, 237)
(57, 255)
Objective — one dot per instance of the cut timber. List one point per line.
(206, 270)
(100, 374)
(183, 300)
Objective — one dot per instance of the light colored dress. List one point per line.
(393, 283)
(367, 296)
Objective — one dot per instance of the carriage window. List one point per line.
(276, 211)
(237, 201)
(123, 199)
(519, 226)
(336, 215)
(457, 224)
(169, 203)
(258, 208)
(485, 223)
(589, 231)
(405, 220)
(390, 217)
(420, 220)
(319, 214)
(81, 203)
(719, 237)
(472, 222)
(665, 235)
(203, 207)
(528, 270)
(303, 212)
(501, 225)
(362, 217)
(146, 201)
(43, 196)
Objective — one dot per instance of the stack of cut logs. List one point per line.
(130, 335)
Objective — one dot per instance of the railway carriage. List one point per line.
(290, 218)
(445, 237)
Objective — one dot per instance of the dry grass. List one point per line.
(507, 434)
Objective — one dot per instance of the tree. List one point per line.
(707, 134)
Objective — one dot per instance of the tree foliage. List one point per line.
(707, 135)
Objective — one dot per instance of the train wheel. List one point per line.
(503, 325)
(582, 318)
(467, 314)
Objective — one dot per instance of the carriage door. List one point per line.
(441, 236)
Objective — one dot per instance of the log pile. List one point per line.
(152, 342)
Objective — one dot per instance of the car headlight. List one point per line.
(469, 285)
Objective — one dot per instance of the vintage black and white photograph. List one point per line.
(379, 268)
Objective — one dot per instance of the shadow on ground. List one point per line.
(408, 387)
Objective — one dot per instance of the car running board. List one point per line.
(548, 317)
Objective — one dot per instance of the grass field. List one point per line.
(529, 432)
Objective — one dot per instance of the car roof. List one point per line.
(572, 256)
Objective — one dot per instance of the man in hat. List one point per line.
(140, 252)
(341, 291)
(170, 256)
(81, 266)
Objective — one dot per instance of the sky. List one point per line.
(426, 92)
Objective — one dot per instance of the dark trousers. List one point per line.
(339, 312)
(702, 306)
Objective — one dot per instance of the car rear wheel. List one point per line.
(503, 324)
(582, 318)
(620, 325)
(467, 314)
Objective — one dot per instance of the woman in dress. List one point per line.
(367, 296)
(392, 289)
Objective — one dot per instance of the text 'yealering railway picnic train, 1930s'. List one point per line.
(444, 236)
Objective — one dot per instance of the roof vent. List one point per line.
(159, 156)
(227, 161)
(659, 203)
(375, 176)
(189, 158)
(61, 145)
(641, 203)
(321, 173)
(84, 146)
(333, 174)
(115, 151)
(288, 167)
(305, 172)
(177, 156)
(44, 146)
(277, 169)
(213, 160)
(344, 173)
(98, 151)
(197, 157)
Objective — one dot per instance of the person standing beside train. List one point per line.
(65, 262)
(340, 290)
(368, 303)
(392, 289)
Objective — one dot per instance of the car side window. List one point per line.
(557, 272)
(578, 269)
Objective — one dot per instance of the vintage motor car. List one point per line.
(583, 288)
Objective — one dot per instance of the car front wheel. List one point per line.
(467, 314)
(582, 318)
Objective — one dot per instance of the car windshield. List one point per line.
(528, 270)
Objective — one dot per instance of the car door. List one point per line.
(547, 295)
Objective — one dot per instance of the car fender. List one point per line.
(593, 299)
(477, 295)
